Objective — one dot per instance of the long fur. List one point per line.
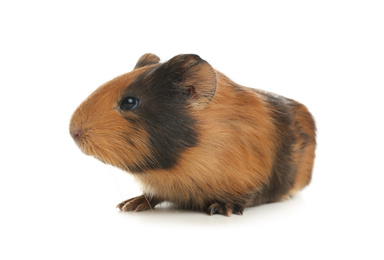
(198, 139)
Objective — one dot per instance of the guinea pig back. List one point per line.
(194, 138)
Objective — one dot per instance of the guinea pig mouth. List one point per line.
(80, 144)
(88, 148)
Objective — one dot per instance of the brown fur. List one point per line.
(304, 148)
(102, 129)
(233, 164)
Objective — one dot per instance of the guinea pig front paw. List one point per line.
(139, 203)
(225, 209)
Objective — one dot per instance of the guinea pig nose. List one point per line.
(76, 134)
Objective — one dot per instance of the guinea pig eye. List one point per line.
(129, 103)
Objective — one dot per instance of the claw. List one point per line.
(238, 211)
(213, 209)
(122, 204)
(224, 209)
(228, 211)
(137, 204)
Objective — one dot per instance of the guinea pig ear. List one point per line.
(147, 59)
(196, 76)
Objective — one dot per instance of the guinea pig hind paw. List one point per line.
(224, 209)
(137, 204)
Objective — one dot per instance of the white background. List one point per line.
(57, 203)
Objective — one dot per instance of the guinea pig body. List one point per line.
(193, 137)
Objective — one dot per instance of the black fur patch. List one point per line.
(283, 173)
(162, 113)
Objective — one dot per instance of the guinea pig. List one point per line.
(192, 137)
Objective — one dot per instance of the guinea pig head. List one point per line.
(144, 119)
